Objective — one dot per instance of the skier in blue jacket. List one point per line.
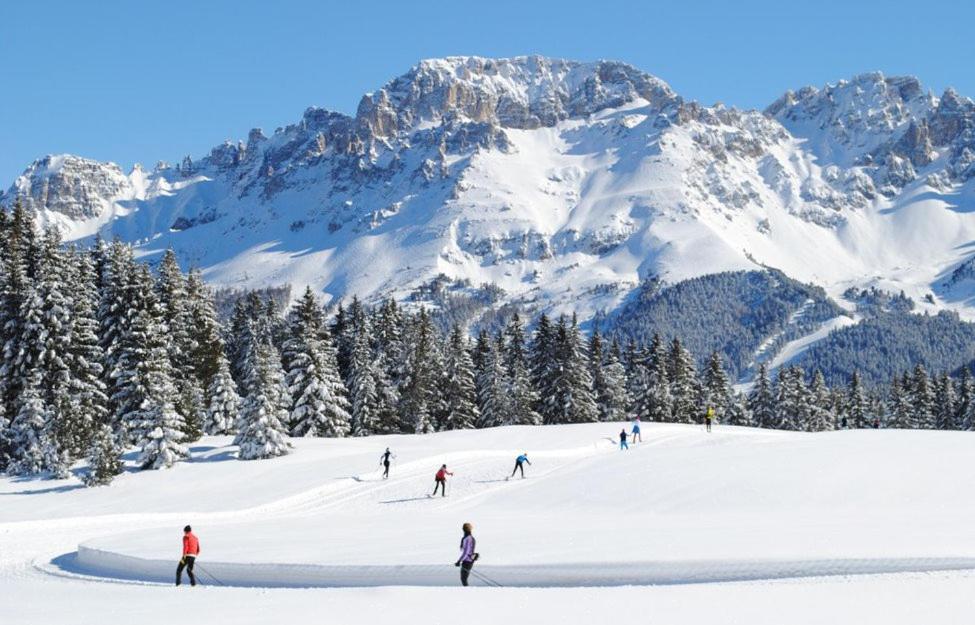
(520, 465)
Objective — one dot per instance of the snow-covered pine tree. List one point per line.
(966, 400)
(761, 401)
(492, 397)
(791, 399)
(522, 397)
(420, 397)
(261, 431)
(820, 415)
(738, 411)
(613, 399)
(15, 277)
(321, 405)
(361, 382)
(922, 399)
(684, 385)
(387, 394)
(145, 390)
(658, 399)
(223, 403)
(638, 388)
(174, 304)
(45, 326)
(543, 369)
(88, 405)
(31, 433)
(388, 327)
(348, 323)
(856, 406)
(104, 457)
(717, 388)
(572, 400)
(238, 341)
(462, 412)
(207, 351)
(945, 403)
(113, 317)
(899, 410)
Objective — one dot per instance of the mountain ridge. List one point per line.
(564, 183)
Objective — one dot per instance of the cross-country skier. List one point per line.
(467, 554)
(385, 462)
(191, 549)
(636, 430)
(440, 481)
(520, 464)
(623, 444)
(709, 418)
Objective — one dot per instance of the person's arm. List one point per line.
(466, 549)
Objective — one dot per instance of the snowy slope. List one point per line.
(682, 507)
(564, 183)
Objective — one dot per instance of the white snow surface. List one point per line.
(845, 527)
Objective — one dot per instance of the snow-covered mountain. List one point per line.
(565, 184)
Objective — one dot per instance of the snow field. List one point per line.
(884, 510)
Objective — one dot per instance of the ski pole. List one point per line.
(486, 579)
(209, 574)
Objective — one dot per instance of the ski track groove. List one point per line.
(475, 469)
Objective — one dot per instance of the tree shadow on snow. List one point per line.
(64, 488)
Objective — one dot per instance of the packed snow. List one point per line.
(846, 527)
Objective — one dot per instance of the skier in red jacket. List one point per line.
(440, 481)
(191, 549)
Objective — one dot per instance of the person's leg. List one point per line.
(443, 488)
(436, 486)
(190, 561)
(386, 472)
(179, 571)
(465, 572)
(521, 468)
(515, 470)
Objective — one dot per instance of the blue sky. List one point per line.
(144, 81)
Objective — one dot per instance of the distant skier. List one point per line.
(467, 554)
(636, 430)
(709, 418)
(876, 423)
(520, 465)
(440, 481)
(385, 462)
(191, 549)
(623, 444)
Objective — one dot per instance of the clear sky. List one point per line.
(149, 80)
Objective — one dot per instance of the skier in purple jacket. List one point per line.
(467, 554)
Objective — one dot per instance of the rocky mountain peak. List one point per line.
(522, 92)
(75, 187)
(845, 121)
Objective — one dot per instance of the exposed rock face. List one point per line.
(75, 187)
(887, 125)
(524, 92)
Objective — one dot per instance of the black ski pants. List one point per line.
(442, 484)
(465, 571)
(187, 562)
(386, 472)
(518, 467)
